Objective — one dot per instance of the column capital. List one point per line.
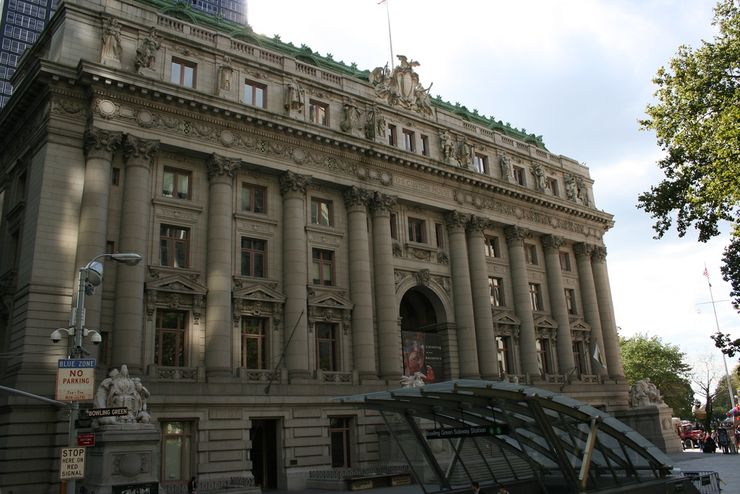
(598, 253)
(356, 197)
(101, 143)
(477, 224)
(552, 242)
(221, 166)
(515, 234)
(583, 249)
(136, 148)
(294, 182)
(456, 220)
(382, 203)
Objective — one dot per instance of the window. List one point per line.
(519, 175)
(530, 251)
(183, 73)
(254, 94)
(535, 296)
(323, 267)
(253, 257)
(409, 140)
(492, 246)
(339, 433)
(565, 261)
(254, 343)
(551, 184)
(424, 145)
(253, 198)
(417, 230)
(115, 177)
(318, 112)
(570, 301)
(176, 183)
(439, 234)
(391, 134)
(481, 163)
(321, 212)
(177, 452)
(174, 245)
(171, 335)
(394, 226)
(579, 358)
(496, 289)
(543, 356)
(504, 356)
(326, 346)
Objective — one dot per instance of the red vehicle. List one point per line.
(690, 436)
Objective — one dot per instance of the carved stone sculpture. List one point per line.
(644, 393)
(119, 390)
(146, 53)
(110, 53)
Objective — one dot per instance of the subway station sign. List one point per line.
(75, 379)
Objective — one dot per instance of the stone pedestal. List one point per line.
(124, 455)
(654, 423)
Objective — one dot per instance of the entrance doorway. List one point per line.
(264, 455)
(420, 339)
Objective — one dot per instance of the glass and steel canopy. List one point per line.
(452, 433)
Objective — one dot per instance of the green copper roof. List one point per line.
(304, 54)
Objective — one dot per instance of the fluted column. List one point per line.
(93, 224)
(590, 302)
(481, 297)
(360, 284)
(133, 237)
(219, 265)
(386, 310)
(606, 311)
(559, 309)
(522, 304)
(295, 272)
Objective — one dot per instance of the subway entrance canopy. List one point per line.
(452, 433)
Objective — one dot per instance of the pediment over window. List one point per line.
(545, 323)
(506, 318)
(186, 284)
(334, 299)
(580, 325)
(265, 292)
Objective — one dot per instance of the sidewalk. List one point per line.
(727, 466)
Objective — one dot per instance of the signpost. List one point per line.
(73, 464)
(75, 379)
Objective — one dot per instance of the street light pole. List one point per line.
(90, 276)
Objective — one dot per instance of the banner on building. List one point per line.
(422, 352)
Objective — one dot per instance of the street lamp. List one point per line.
(90, 276)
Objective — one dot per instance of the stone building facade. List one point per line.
(309, 230)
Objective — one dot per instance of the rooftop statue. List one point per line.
(401, 87)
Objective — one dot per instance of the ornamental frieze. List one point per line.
(423, 277)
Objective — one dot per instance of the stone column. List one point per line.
(133, 237)
(552, 244)
(522, 304)
(93, 225)
(481, 297)
(219, 265)
(606, 311)
(590, 303)
(462, 296)
(295, 273)
(360, 284)
(386, 307)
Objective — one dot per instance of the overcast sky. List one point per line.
(578, 73)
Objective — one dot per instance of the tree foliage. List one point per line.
(696, 120)
(648, 357)
(722, 397)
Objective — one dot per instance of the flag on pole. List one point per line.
(597, 355)
(706, 273)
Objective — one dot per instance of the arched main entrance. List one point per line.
(422, 319)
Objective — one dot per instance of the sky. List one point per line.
(577, 72)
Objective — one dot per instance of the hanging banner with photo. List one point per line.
(422, 352)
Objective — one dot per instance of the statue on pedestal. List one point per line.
(119, 390)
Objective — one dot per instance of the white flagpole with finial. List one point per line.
(716, 321)
(390, 38)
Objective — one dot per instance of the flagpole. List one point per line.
(390, 38)
(716, 322)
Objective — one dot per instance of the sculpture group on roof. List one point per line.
(402, 87)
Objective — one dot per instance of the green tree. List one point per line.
(696, 120)
(722, 398)
(648, 357)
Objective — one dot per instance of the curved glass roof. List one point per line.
(454, 432)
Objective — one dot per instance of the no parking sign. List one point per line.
(75, 379)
